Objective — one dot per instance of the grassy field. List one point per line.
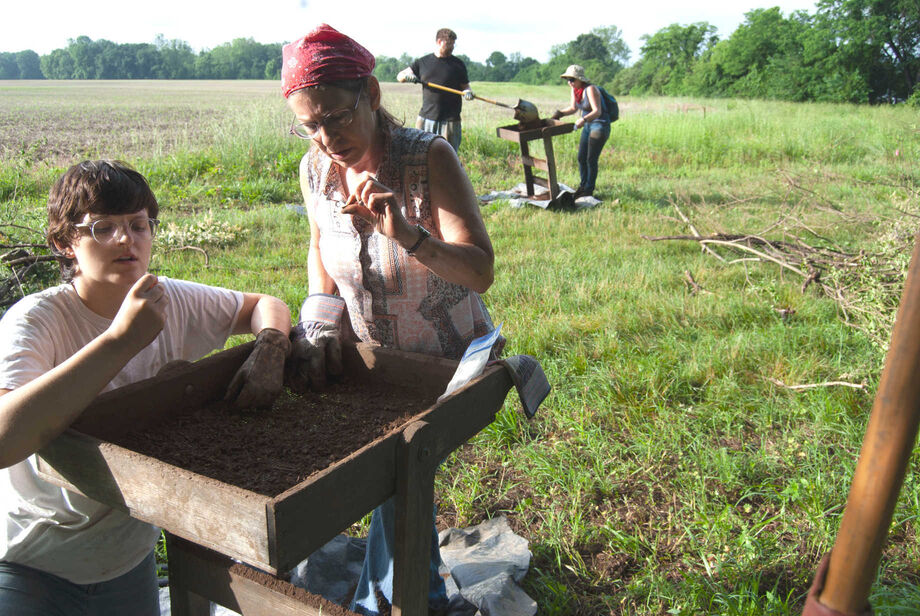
(673, 470)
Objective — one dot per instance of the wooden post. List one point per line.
(887, 445)
(415, 470)
(183, 601)
(528, 170)
(551, 166)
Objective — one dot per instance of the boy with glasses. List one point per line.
(109, 324)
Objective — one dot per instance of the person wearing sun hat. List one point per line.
(398, 252)
(594, 119)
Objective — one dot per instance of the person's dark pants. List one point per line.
(29, 592)
(593, 137)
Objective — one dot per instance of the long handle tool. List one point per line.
(886, 449)
(524, 112)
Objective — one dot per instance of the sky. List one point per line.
(392, 28)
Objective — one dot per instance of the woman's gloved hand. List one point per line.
(813, 607)
(316, 348)
(261, 377)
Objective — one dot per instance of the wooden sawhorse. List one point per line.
(545, 130)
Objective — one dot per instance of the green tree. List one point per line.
(57, 65)
(877, 39)
(205, 66)
(83, 53)
(386, 67)
(243, 58)
(588, 47)
(768, 56)
(273, 68)
(29, 65)
(108, 60)
(500, 67)
(668, 59)
(617, 49)
(8, 67)
(176, 59)
(601, 52)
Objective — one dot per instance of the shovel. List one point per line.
(524, 112)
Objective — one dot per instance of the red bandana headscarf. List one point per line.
(323, 56)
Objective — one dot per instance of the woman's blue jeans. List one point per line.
(377, 573)
(29, 592)
(593, 137)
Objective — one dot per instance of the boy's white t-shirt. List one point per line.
(50, 528)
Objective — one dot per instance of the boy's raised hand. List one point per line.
(142, 313)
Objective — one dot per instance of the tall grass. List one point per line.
(668, 472)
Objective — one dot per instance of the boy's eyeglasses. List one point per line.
(105, 230)
(333, 121)
(570, 79)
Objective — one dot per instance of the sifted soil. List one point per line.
(284, 587)
(270, 450)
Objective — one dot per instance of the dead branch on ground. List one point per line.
(865, 286)
(778, 383)
(20, 259)
(693, 285)
(196, 249)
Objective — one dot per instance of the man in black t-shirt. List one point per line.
(440, 112)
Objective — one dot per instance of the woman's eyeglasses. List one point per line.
(333, 121)
(105, 230)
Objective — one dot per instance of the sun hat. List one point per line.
(575, 71)
(322, 56)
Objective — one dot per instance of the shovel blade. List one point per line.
(526, 112)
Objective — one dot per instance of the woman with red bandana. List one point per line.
(595, 119)
(397, 244)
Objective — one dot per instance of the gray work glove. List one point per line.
(468, 94)
(814, 607)
(261, 377)
(316, 348)
(557, 115)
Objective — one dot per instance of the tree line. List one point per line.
(858, 51)
(84, 58)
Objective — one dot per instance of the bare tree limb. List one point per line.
(695, 232)
(196, 249)
(30, 259)
(760, 254)
(693, 284)
(777, 382)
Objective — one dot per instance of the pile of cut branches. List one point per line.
(26, 263)
(866, 286)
